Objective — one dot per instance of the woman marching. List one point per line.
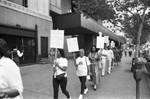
(94, 67)
(60, 74)
(82, 64)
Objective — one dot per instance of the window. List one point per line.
(25, 3)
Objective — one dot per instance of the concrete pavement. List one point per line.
(120, 84)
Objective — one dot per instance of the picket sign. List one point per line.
(112, 44)
(100, 42)
(56, 40)
(72, 44)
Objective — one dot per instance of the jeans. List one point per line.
(63, 85)
(83, 83)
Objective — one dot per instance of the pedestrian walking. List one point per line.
(110, 57)
(60, 74)
(130, 52)
(125, 52)
(94, 67)
(16, 54)
(11, 86)
(82, 64)
(116, 55)
(103, 54)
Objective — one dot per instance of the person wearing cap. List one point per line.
(82, 64)
(11, 86)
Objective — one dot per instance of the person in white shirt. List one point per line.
(110, 57)
(16, 54)
(60, 74)
(103, 54)
(82, 64)
(11, 86)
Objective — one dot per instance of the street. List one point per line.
(120, 84)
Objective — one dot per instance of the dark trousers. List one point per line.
(83, 83)
(63, 85)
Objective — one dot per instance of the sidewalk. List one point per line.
(120, 84)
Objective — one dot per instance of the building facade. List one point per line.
(26, 24)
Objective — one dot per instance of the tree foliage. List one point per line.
(133, 13)
(97, 9)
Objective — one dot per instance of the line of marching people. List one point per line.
(91, 67)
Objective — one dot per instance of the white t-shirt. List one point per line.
(10, 77)
(62, 62)
(104, 52)
(82, 63)
(110, 54)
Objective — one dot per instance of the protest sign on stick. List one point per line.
(56, 40)
(72, 44)
(100, 42)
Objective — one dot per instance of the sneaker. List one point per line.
(85, 91)
(80, 97)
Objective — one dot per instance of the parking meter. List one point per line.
(137, 74)
(133, 67)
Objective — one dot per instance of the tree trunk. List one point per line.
(138, 40)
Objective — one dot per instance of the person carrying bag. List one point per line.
(82, 66)
(60, 74)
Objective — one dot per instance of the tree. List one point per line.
(97, 9)
(135, 19)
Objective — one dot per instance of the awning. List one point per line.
(77, 23)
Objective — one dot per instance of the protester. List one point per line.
(110, 57)
(103, 54)
(94, 67)
(60, 74)
(82, 64)
(116, 55)
(11, 86)
(16, 54)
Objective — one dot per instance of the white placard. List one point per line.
(100, 34)
(106, 38)
(108, 43)
(72, 44)
(112, 44)
(57, 39)
(100, 42)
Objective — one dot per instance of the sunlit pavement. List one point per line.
(120, 84)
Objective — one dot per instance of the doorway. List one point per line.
(44, 47)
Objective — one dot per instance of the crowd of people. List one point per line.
(92, 66)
